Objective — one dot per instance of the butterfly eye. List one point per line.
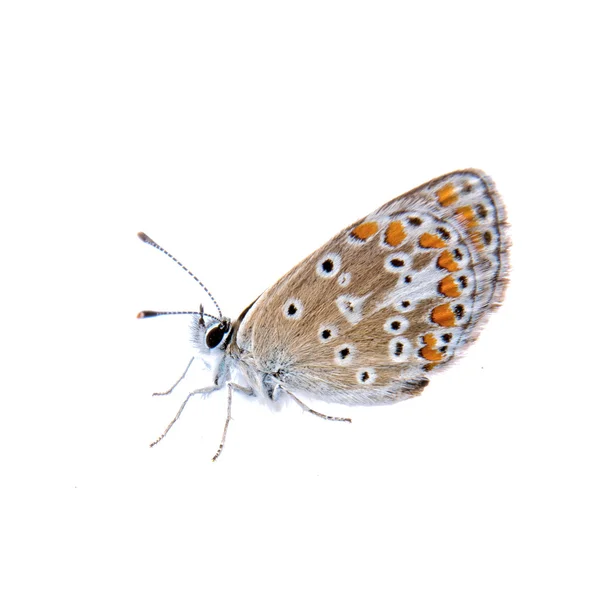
(215, 335)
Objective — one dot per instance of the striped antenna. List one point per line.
(145, 314)
(148, 240)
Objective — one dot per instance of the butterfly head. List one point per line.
(210, 335)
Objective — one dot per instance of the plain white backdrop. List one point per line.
(242, 136)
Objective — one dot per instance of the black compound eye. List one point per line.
(215, 335)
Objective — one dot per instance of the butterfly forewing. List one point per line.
(365, 318)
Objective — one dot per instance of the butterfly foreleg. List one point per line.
(177, 382)
(310, 410)
(204, 391)
(230, 388)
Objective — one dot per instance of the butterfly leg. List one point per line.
(177, 382)
(310, 410)
(230, 388)
(206, 391)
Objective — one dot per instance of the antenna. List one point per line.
(148, 313)
(145, 314)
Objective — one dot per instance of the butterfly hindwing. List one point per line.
(469, 200)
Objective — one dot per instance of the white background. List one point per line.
(241, 136)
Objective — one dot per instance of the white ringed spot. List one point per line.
(366, 376)
(397, 262)
(344, 279)
(396, 325)
(344, 354)
(404, 305)
(399, 349)
(293, 309)
(327, 333)
(351, 307)
(329, 265)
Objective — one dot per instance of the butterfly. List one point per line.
(369, 316)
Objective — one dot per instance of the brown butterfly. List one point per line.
(368, 316)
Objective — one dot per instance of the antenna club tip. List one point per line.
(145, 314)
(145, 238)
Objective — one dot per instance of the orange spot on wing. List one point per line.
(395, 233)
(429, 339)
(443, 315)
(446, 261)
(429, 351)
(466, 215)
(477, 240)
(427, 240)
(448, 287)
(431, 354)
(365, 230)
(447, 195)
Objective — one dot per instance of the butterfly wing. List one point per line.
(365, 318)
